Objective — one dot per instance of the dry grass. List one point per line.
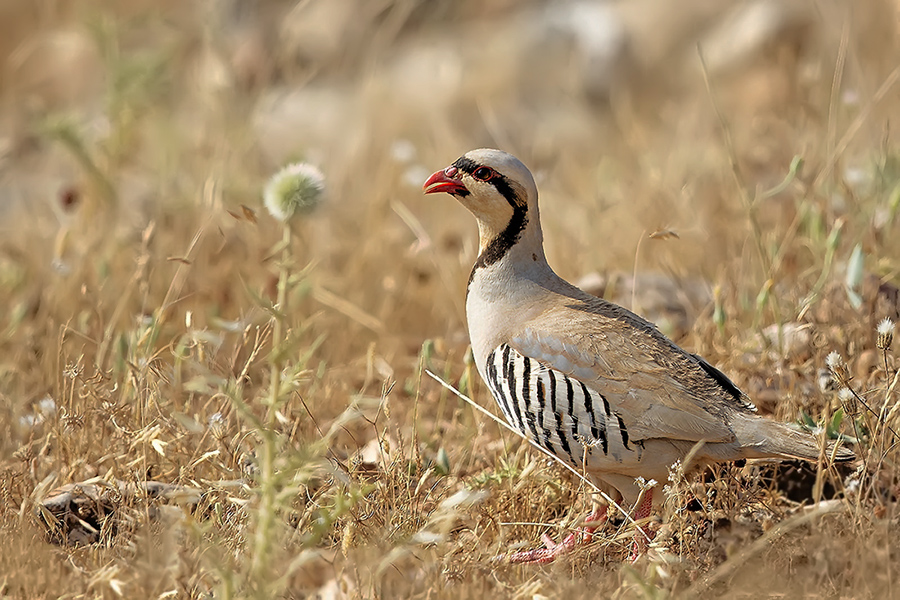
(137, 339)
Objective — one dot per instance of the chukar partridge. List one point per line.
(587, 380)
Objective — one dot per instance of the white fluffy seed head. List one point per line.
(885, 331)
(294, 190)
(848, 401)
(838, 368)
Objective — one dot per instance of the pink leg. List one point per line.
(642, 536)
(554, 550)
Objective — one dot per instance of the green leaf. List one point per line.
(806, 421)
(442, 463)
(834, 428)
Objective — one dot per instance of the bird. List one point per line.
(586, 380)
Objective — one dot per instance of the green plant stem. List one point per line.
(278, 327)
(268, 489)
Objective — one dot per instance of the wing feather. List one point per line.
(658, 389)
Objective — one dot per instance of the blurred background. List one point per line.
(636, 116)
(618, 107)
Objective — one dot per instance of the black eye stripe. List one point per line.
(467, 165)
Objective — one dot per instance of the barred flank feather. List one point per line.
(558, 412)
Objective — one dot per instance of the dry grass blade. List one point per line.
(730, 566)
(347, 308)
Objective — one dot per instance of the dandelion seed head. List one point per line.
(294, 190)
(885, 327)
(833, 360)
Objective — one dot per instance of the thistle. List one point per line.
(848, 401)
(297, 189)
(838, 368)
(885, 331)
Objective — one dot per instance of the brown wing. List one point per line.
(659, 390)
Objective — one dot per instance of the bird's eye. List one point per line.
(483, 173)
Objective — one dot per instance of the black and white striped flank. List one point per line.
(558, 412)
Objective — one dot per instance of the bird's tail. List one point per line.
(762, 438)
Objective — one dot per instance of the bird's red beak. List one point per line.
(444, 181)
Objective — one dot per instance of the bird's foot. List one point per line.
(642, 535)
(552, 550)
(640, 544)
